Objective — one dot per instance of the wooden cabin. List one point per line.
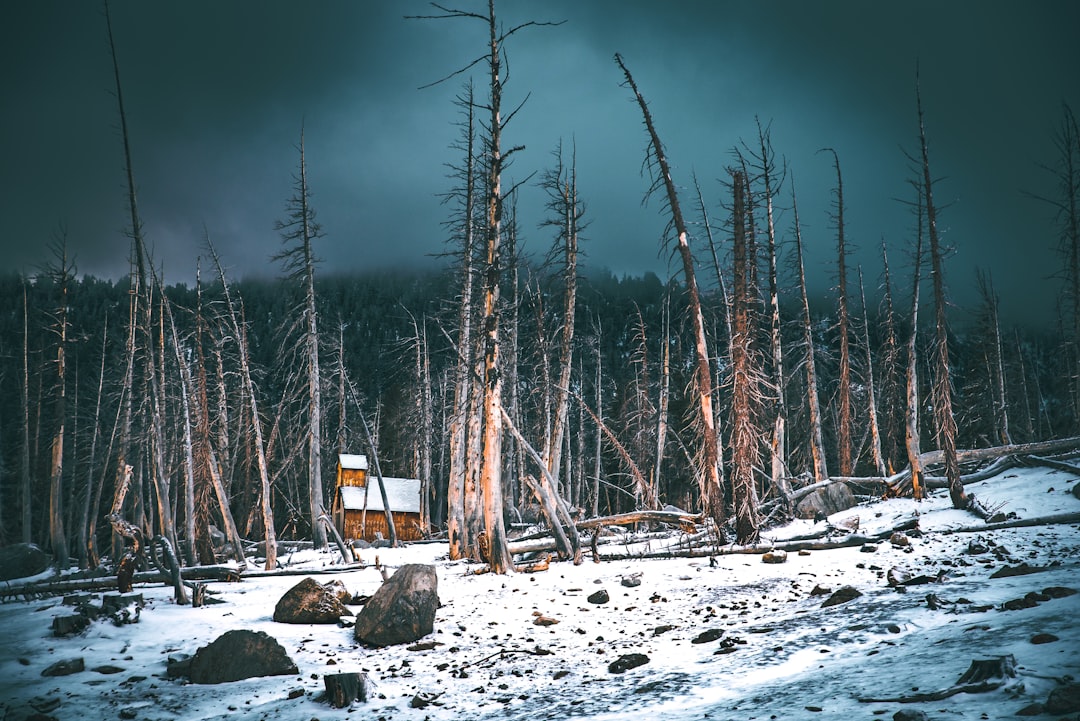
(358, 506)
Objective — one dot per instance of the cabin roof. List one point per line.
(403, 495)
(352, 462)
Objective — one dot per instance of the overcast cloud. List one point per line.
(216, 93)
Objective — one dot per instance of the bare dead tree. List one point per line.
(560, 184)
(86, 554)
(24, 457)
(817, 441)
(892, 402)
(493, 546)
(994, 356)
(62, 272)
(298, 231)
(240, 337)
(911, 406)
(745, 391)
(871, 392)
(1065, 202)
(843, 390)
(943, 407)
(712, 497)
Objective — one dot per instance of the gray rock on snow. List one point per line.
(402, 610)
(1064, 699)
(841, 595)
(826, 501)
(65, 668)
(311, 602)
(20, 560)
(239, 654)
(910, 714)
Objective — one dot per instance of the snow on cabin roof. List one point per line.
(403, 494)
(352, 461)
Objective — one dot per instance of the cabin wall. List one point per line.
(407, 525)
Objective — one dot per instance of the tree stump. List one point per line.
(198, 594)
(343, 688)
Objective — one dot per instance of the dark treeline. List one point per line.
(632, 346)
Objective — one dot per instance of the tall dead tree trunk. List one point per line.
(458, 531)
(871, 393)
(943, 408)
(62, 274)
(911, 406)
(779, 436)
(494, 548)
(563, 201)
(892, 403)
(86, 552)
(995, 360)
(745, 455)
(300, 229)
(817, 436)
(24, 457)
(843, 390)
(712, 497)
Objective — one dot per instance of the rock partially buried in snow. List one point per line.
(627, 661)
(774, 557)
(842, 595)
(1064, 699)
(65, 667)
(239, 654)
(402, 610)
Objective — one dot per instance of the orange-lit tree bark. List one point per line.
(712, 497)
(745, 394)
(911, 406)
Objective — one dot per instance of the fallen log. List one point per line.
(107, 582)
(1018, 523)
(1054, 463)
(762, 548)
(987, 454)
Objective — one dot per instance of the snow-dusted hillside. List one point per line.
(780, 654)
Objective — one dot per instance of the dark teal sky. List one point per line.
(216, 93)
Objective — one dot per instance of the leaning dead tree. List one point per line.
(712, 497)
(240, 337)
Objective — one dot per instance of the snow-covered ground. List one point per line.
(781, 655)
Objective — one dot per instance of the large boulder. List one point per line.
(311, 602)
(826, 501)
(402, 610)
(20, 560)
(237, 655)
